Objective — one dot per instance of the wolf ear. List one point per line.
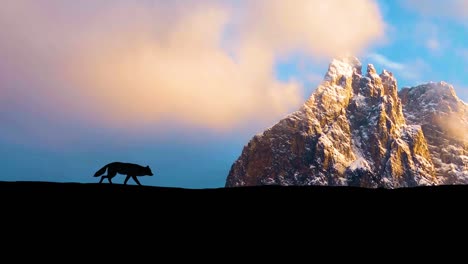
(147, 166)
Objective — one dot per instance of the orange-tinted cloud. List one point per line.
(128, 64)
(320, 28)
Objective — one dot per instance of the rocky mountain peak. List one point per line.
(371, 70)
(342, 67)
(432, 92)
(353, 131)
(350, 60)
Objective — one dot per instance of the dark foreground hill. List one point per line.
(70, 195)
(65, 207)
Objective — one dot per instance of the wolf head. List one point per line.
(148, 171)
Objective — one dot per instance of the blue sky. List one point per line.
(419, 47)
(76, 93)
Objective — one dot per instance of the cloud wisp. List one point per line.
(411, 71)
(386, 62)
(452, 9)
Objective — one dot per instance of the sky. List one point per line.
(182, 86)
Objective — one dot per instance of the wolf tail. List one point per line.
(101, 171)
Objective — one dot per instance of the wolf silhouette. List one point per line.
(129, 169)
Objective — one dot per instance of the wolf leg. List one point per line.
(126, 179)
(111, 175)
(136, 180)
(102, 178)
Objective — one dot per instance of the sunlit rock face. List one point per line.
(352, 131)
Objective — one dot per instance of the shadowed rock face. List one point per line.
(351, 131)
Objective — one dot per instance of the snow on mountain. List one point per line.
(353, 131)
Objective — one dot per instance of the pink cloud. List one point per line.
(128, 64)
